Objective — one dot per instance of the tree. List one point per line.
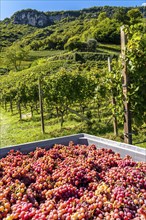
(91, 45)
(107, 31)
(102, 16)
(74, 43)
(134, 15)
(14, 56)
(120, 15)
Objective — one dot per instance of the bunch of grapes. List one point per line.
(74, 182)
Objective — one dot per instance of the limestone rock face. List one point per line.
(57, 17)
(31, 17)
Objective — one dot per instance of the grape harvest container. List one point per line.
(137, 153)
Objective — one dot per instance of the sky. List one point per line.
(9, 7)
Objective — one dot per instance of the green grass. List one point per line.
(109, 48)
(33, 55)
(14, 131)
(45, 53)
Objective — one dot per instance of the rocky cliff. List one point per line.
(40, 19)
(31, 17)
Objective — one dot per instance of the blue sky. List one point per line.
(8, 7)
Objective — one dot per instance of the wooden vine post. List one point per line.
(115, 123)
(41, 107)
(127, 113)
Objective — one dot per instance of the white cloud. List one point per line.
(143, 4)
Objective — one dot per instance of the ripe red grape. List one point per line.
(70, 183)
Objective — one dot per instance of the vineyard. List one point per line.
(81, 91)
(78, 88)
(81, 72)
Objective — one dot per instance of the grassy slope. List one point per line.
(14, 131)
(45, 53)
(33, 55)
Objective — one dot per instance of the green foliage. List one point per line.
(65, 88)
(91, 45)
(13, 32)
(85, 56)
(120, 15)
(107, 31)
(136, 59)
(102, 16)
(74, 43)
(81, 23)
(77, 80)
(114, 89)
(23, 85)
(62, 87)
(134, 15)
(14, 56)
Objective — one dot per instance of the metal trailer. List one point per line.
(137, 153)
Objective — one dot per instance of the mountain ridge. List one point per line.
(58, 29)
(41, 19)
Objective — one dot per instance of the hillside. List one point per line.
(52, 30)
(67, 59)
(67, 73)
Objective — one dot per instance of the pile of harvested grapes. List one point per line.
(71, 183)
